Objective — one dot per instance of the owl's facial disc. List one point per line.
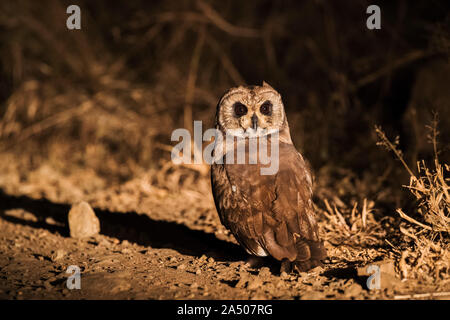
(251, 111)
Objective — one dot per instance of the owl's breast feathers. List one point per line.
(270, 214)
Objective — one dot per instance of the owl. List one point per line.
(268, 214)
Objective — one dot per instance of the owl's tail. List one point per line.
(309, 255)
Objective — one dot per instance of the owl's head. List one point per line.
(251, 111)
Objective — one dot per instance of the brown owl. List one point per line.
(269, 214)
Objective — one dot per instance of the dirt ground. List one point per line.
(154, 243)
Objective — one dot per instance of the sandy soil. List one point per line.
(154, 243)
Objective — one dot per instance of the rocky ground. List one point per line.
(156, 243)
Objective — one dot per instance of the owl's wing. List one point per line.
(231, 186)
(270, 213)
(292, 231)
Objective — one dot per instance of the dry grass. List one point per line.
(428, 225)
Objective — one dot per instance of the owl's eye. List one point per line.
(240, 109)
(266, 108)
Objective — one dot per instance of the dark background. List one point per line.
(139, 69)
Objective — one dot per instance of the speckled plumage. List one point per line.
(268, 214)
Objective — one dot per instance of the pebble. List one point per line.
(58, 255)
(265, 272)
(254, 283)
(353, 290)
(280, 283)
(194, 286)
(243, 279)
(83, 222)
(125, 250)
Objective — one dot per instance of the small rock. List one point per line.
(194, 286)
(254, 283)
(21, 214)
(279, 284)
(181, 267)
(58, 255)
(125, 250)
(83, 222)
(52, 222)
(243, 279)
(265, 272)
(353, 290)
(104, 242)
(198, 271)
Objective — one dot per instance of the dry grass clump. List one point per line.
(355, 234)
(349, 205)
(351, 223)
(425, 251)
(431, 192)
(350, 217)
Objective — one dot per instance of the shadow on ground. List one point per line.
(129, 226)
(347, 273)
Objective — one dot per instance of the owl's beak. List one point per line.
(254, 122)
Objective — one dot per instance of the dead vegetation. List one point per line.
(427, 226)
